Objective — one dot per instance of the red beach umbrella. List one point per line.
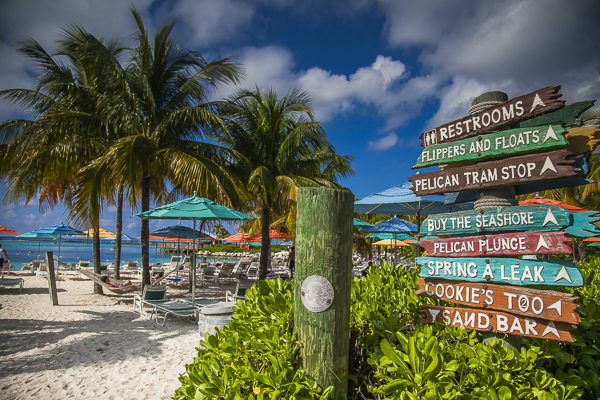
(241, 237)
(273, 234)
(7, 231)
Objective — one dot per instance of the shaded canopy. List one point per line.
(240, 237)
(393, 225)
(542, 200)
(359, 224)
(194, 208)
(382, 236)
(391, 242)
(401, 200)
(177, 231)
(273, 234)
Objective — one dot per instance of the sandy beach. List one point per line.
(90, 346)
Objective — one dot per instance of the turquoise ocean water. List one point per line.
(24, 251)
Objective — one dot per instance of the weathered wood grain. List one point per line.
(515, 110)
(505, 244)
(513, 271)
(566, 116)
(538, 218)
(324, 247)
(546, 304)
(498, 322)
(492, 174)
(506, 143)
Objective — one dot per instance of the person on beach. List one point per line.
(292, 258)
(106, 280)
(3, 257)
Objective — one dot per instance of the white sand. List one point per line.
(89, 346)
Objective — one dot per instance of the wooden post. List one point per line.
(322, 285)
(51, 278)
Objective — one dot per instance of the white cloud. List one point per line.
(213, 21)
(384, 143)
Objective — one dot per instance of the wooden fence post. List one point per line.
(322, 284)
(51, 278)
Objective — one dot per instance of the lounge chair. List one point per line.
(166, 274)
(116, 290)
(42, 271)
(150, 296)
(238, 294)
(154, 297)
(252, 271)
(225, 272)
(12, 283)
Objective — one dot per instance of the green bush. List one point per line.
(253, 357)
(393, 355)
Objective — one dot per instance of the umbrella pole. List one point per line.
(193, 266)
(163, 254)
(395, 251)
(59, 240)
(39, 243)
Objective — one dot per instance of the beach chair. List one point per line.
(176, 308)
(238, 294)
(240, 270)
(252, 271)
(225, 272)
(5, 282)
(131, 268)
(151, 295)
(42, 271)
(208, 274)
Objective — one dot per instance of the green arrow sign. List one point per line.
(505, 143)
(512, 271)
(537, 218)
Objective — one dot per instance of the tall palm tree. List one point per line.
(68, 127)
(279, 146)
(165, 112)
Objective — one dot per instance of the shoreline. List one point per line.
(90, 346)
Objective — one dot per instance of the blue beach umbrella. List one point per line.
(176, 231)
(38, 236)
(394, 226)
(400, 200)
(59, 230)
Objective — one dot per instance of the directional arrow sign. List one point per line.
(506, 244)
(492, 321)
(545, 304)
(515, 110)
(539, 218)
(493, 174)
(512, 271)
(506, 143)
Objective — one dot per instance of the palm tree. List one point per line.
(220, 231)
(165, 112)
(279, 147)
(68, 128)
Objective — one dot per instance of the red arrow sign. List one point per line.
(507, 244)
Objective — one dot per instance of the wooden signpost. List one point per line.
(493, 174)
(538, 218)
(499, 322)
(476, 265)
(535, 303)
(513, 271)
(513, 142)
(506, 244)
(518, 109)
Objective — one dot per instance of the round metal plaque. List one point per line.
(316, 293)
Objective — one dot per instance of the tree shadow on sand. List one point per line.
(64, 344)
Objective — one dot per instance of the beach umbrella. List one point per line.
(175, 231)
(391, 242)
(394, 226)
(196, 209)
(7, 231)
(542, 200)
(273, 234)
(400, 200)
(38, 236)
(240, 237)
(398, 236)
(358, 224)
(60, 230)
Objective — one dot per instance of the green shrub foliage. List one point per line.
(393, 355)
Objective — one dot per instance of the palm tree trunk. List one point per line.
(265, 250)
(145, 233)
(96, 257)
(118, 232)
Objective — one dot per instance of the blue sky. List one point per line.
(379, 71)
